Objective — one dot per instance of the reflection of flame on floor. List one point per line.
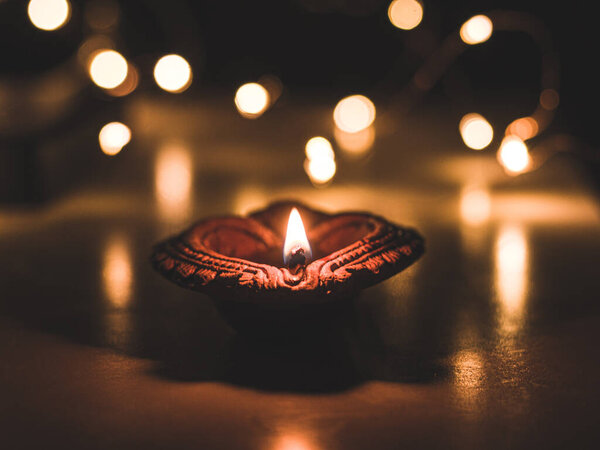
(468, 378)
(475, 205)
(173, 179)
(117, 277)
(511, 262)
(117, 272)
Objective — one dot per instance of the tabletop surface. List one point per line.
(489, 341)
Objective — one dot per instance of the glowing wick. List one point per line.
(296, 249)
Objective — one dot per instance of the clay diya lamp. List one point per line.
(288, 267)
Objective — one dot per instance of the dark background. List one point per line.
(329, 48)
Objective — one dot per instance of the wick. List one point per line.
(297, 260)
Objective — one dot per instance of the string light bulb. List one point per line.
(319, 147)
(514, 155)
(49, 15)
(405, 14)
(476, 131)
(108, 69)
(251, 100)
(353, 114)
(113, 137)
(320, 163)
(173, 73)
(476, 30)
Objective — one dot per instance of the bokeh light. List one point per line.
(128, 85)
(108, 69)
(476, 30)
(113, 137)
(320, 170)
(354, 113)
(524, 128)
(173, 73)
(476, 131)
(405, 14)
(251, 100)
(514, 155)
(117, 272)
(49, 15)
(319, 147)
(355, 144)
(320, 160)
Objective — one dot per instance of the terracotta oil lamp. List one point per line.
(286, 267)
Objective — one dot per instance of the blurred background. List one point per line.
(405, 57)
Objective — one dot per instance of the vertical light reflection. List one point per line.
(117, 281)
(511, 277)
(468, 378)
(117, 274)
(475, 205)
(475, 208)
(173, 180)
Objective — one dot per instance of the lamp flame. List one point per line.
(296, 249)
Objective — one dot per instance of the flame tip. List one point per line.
(295, 239)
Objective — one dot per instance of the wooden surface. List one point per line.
(489, 341)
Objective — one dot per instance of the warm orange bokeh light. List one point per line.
(476, 30)
(319, 147)
(173, 73)
(117, 272)
(49, 15)
(320, 170)
(113, 137)
(476, 132)
(514, 155)
(524, 128)
(405, 14)
(251, 100)
(108, 69)
(320, 160)
(354, 113)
